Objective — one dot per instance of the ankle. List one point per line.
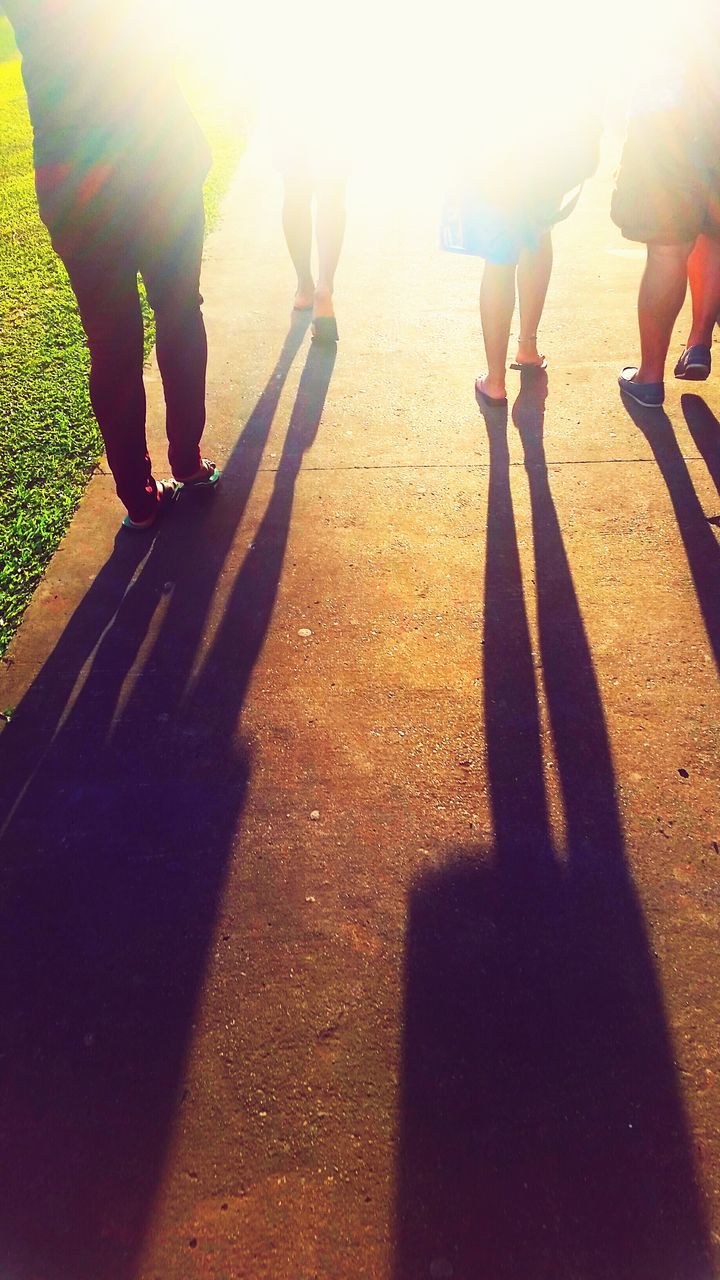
(647, 374)
(323, 302)
(701, 336)
(493, 385)
(197, 474)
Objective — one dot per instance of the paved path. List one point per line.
(360, 895)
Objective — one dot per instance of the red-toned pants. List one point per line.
(107, 232)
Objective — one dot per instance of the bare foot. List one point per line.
(322, 303)
(487, 386)
(304, 295)
(528, 354)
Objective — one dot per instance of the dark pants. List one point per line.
(105, 240)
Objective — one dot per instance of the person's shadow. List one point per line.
(124, 773)
(705, 431)
(542, 1130)
(699, 541)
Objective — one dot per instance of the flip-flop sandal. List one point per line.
(208, 480)
(167, 491)
(482, 397)
(694, 364)
(325, 330)
(529, 366)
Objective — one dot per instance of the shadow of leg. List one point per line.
(114, 867)
(701, 548)
(542, 1131)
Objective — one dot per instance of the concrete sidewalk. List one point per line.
(360, 886)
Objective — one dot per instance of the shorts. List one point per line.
(668, 186)
(499, 235)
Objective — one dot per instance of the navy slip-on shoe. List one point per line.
(650, 395)
(325, 331)
(694, 364)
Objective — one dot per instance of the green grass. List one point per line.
(49, 441)
(7, 44)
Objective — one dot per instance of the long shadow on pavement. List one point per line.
(701, 548)
(705, 431)
(125, 800)
(542, 1131)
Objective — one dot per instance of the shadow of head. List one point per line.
(541, 1129)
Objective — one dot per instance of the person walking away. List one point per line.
(315, 86)
(667, 196)
(526, 136)
(119, 168)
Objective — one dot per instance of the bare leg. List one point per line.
(662, 293)
(533, 278)
(497, 303)
(329, 231)
(704, 276)
(297, 225)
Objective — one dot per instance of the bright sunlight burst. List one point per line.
(412, 85)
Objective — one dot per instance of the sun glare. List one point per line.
(412, 85)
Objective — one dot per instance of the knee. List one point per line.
(331, 196)
(116, 349)
(177, 309)
(298, 194)
(669, 256)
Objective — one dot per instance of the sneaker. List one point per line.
(207, 477)
(167, 491)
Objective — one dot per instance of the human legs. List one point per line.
(662, 293)
(661, 200)
(107, 296)
(297, 226)
(533, 278)
(329, 233)
(497, 303)
(169, 259)
(703, 268)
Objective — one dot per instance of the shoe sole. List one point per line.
(489, 402)
(528, 366)
(646, 404)
(694, 373)
(325, 331)
(207, 485)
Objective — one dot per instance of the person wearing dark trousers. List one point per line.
(119, 168)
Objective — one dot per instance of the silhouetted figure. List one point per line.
(523, 137)
(668, 197)
(119, 164)
(312, 104)
(542, 1128)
